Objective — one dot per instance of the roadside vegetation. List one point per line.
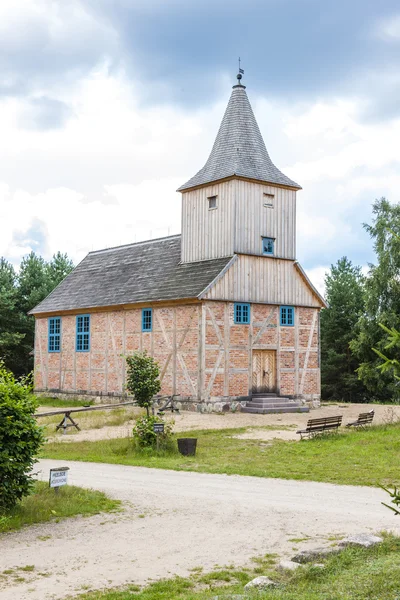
(45, 505)
(366, 457)
(354, 574)
(59, 403)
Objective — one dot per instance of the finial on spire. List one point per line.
(241, 72)
(239, 76)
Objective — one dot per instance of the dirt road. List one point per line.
(176, 521)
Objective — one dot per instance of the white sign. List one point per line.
(58, 477)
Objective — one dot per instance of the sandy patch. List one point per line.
(189, 421)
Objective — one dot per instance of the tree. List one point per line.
(20, 439)
(143, 378)
(57, 269)
(10, 337)
(345, 297)
(382, 303)
(36, 280)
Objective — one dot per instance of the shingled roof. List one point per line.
(239, 148)
(143, 272)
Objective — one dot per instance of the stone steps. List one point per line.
(285, 409)
(270, 403)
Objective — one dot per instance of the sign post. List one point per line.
(158, 428)
(58, 477)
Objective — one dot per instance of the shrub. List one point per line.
(143, 378)
(20, 439)
(146, 438)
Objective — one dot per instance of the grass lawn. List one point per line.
(44, 505)
(364, 457)
(354, 574)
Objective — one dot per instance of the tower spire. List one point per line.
(239, 149)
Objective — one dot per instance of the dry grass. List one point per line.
(95, 419)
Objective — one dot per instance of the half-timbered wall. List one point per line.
(174, 343)
(228, 350)
(246, 211)
(202, 353)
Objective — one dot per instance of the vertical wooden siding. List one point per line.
(262, 279)
(254, 220)
(208, 233)
(239, 221)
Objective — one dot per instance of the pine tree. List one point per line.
(345, 297)
(10, 336)
(382, 303)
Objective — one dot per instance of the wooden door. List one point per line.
(264, 371)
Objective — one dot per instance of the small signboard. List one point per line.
(158, 427)
(58, 477)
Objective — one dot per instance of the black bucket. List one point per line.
(187, 446)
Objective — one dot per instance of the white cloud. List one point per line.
(108, 174)
(389, 28)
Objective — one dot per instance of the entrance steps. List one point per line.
(264, 404)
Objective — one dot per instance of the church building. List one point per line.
(225, 308)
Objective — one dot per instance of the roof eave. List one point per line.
(311, 286)
(187, 188)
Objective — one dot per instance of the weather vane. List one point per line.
(241, 72)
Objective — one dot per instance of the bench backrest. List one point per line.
(366, 417)
(322, 421)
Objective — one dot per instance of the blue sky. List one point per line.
(107, 106)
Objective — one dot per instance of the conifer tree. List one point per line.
(345, 297)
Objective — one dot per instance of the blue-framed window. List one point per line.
(54, 334)
(242, 312)
(83, 333)
(268, 245)
(287, 316)
(147, 319)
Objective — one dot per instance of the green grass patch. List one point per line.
(354, 574)
(59, 403)
(44, 505)
(364, 457)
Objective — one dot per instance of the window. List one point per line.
(147, 319)
(268, 245)
(242, 313)
(83, 333)
(287, 316)
(212, 202)
(269, 200)
(54, 334)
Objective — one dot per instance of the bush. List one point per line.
(143, 378)
(20, 439)
(146, 438)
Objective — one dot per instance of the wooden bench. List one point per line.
(316, 426)
(363, 419)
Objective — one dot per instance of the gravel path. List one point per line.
(189, 421)
(176, 521)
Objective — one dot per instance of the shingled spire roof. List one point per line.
(239, 148)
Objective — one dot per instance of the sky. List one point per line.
(108, 106)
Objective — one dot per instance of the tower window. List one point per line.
(268, 200)
(212, 202)
(268, 245)
(242, 313)
(287, 316)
